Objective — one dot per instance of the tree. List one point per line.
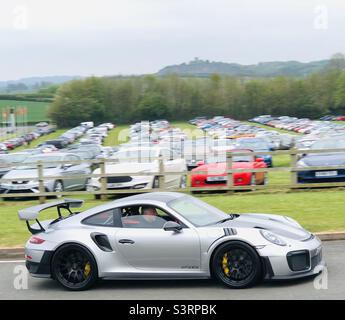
(339, 95)
(152, 106)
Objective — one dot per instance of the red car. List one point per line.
(10, 145)
(215, 175)
(340, 118)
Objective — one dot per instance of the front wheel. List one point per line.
(236, 265)
(74, 267)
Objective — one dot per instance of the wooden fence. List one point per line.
(103, 191)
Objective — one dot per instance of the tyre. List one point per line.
(236, 265)
(58, 187)
(74, 267)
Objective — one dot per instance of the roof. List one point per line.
(156, 196)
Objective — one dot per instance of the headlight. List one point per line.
(271, 237)
(301, 164)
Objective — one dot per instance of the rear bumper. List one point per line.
(39, 265)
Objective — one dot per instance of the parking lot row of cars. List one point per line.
(19, 169)
(39, 130)
(136, 165)
(317, 135)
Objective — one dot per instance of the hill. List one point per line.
(204, 68)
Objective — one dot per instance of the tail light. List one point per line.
(36, 240)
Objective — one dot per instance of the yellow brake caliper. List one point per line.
(225, 264)
(87, 269)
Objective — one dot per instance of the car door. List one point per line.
(153, 248)
(73, 171)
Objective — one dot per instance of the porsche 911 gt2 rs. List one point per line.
(166, 235)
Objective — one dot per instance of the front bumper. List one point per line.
(137, 182)
(293, 263)
(309, 176)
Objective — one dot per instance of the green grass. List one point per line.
(41, 139)
(117, 136)
(37, 111)
(317, 211)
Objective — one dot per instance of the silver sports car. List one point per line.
(166, 235)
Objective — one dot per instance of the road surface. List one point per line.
(334, 252)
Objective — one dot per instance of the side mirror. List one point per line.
(66, 166)
(200, 163)
(259, 160)
(172, 226)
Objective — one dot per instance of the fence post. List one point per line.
(293, 163)
(41, 188)
(103, 180)
(161, 181)
(230, 181)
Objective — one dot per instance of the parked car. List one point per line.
(256, 145)
(215, 174)
(58, 143)
(7, 161)
(141, 160)
(166, 235)
(27, 173)
(332, 159)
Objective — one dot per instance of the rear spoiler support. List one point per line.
(35, 231)
(33, 212)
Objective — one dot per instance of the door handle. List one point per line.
(129, 241)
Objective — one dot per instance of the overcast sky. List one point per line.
(103, 37)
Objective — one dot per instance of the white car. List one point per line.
(141, 160)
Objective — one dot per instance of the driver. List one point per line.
(150, 214)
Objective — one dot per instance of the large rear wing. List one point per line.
(33, 212)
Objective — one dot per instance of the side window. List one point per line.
(144, 216)
(105, 218)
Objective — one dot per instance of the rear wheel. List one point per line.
(74, 267)
(236, 265)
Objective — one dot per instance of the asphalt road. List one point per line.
(334, 252)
